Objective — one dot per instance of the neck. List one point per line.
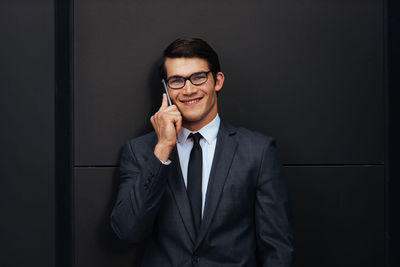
(193, 125)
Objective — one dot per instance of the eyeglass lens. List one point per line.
(196, 79)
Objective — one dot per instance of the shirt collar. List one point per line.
(209, 131)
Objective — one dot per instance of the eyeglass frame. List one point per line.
(187, 78)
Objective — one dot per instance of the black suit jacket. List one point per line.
(245, 220)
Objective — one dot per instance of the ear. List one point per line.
(219, 81)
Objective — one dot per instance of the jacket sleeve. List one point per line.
(142, 184)
(273, 226)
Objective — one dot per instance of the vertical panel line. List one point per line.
(386, 131)
(63, 133)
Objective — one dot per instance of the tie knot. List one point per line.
(196, 139)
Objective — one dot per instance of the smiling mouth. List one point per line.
(191, 101)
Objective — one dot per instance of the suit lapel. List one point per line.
(224, 153)
(177, 186)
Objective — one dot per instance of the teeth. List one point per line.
(191, 101)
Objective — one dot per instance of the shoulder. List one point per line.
(247, 136)
(252, 147)
(144, 139)
(138, 149)
(144, 142)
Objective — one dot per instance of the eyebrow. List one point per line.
(179, 76)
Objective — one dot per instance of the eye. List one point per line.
(198, 77)
(175, 80)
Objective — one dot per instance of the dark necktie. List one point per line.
(194, 185)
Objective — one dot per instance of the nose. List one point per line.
(189, 88)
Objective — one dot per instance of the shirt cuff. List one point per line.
(165, 163)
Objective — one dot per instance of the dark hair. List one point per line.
(190, 48)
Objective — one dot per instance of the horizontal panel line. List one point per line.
(96, 166)
(284, 165)
(334, 165)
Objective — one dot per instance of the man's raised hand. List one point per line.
(167, 122)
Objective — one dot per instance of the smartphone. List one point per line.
(166, 92)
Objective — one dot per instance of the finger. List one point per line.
(173, 109)
(178, 124)
(172, 113)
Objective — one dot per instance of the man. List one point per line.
(199, 191)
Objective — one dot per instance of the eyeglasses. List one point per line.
(197, 78)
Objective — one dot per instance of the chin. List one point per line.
(189, 118)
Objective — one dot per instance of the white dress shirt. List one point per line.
(207, 143)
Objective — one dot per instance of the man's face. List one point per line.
(197, 103)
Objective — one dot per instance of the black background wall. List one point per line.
(78, 79)
(27, 158)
